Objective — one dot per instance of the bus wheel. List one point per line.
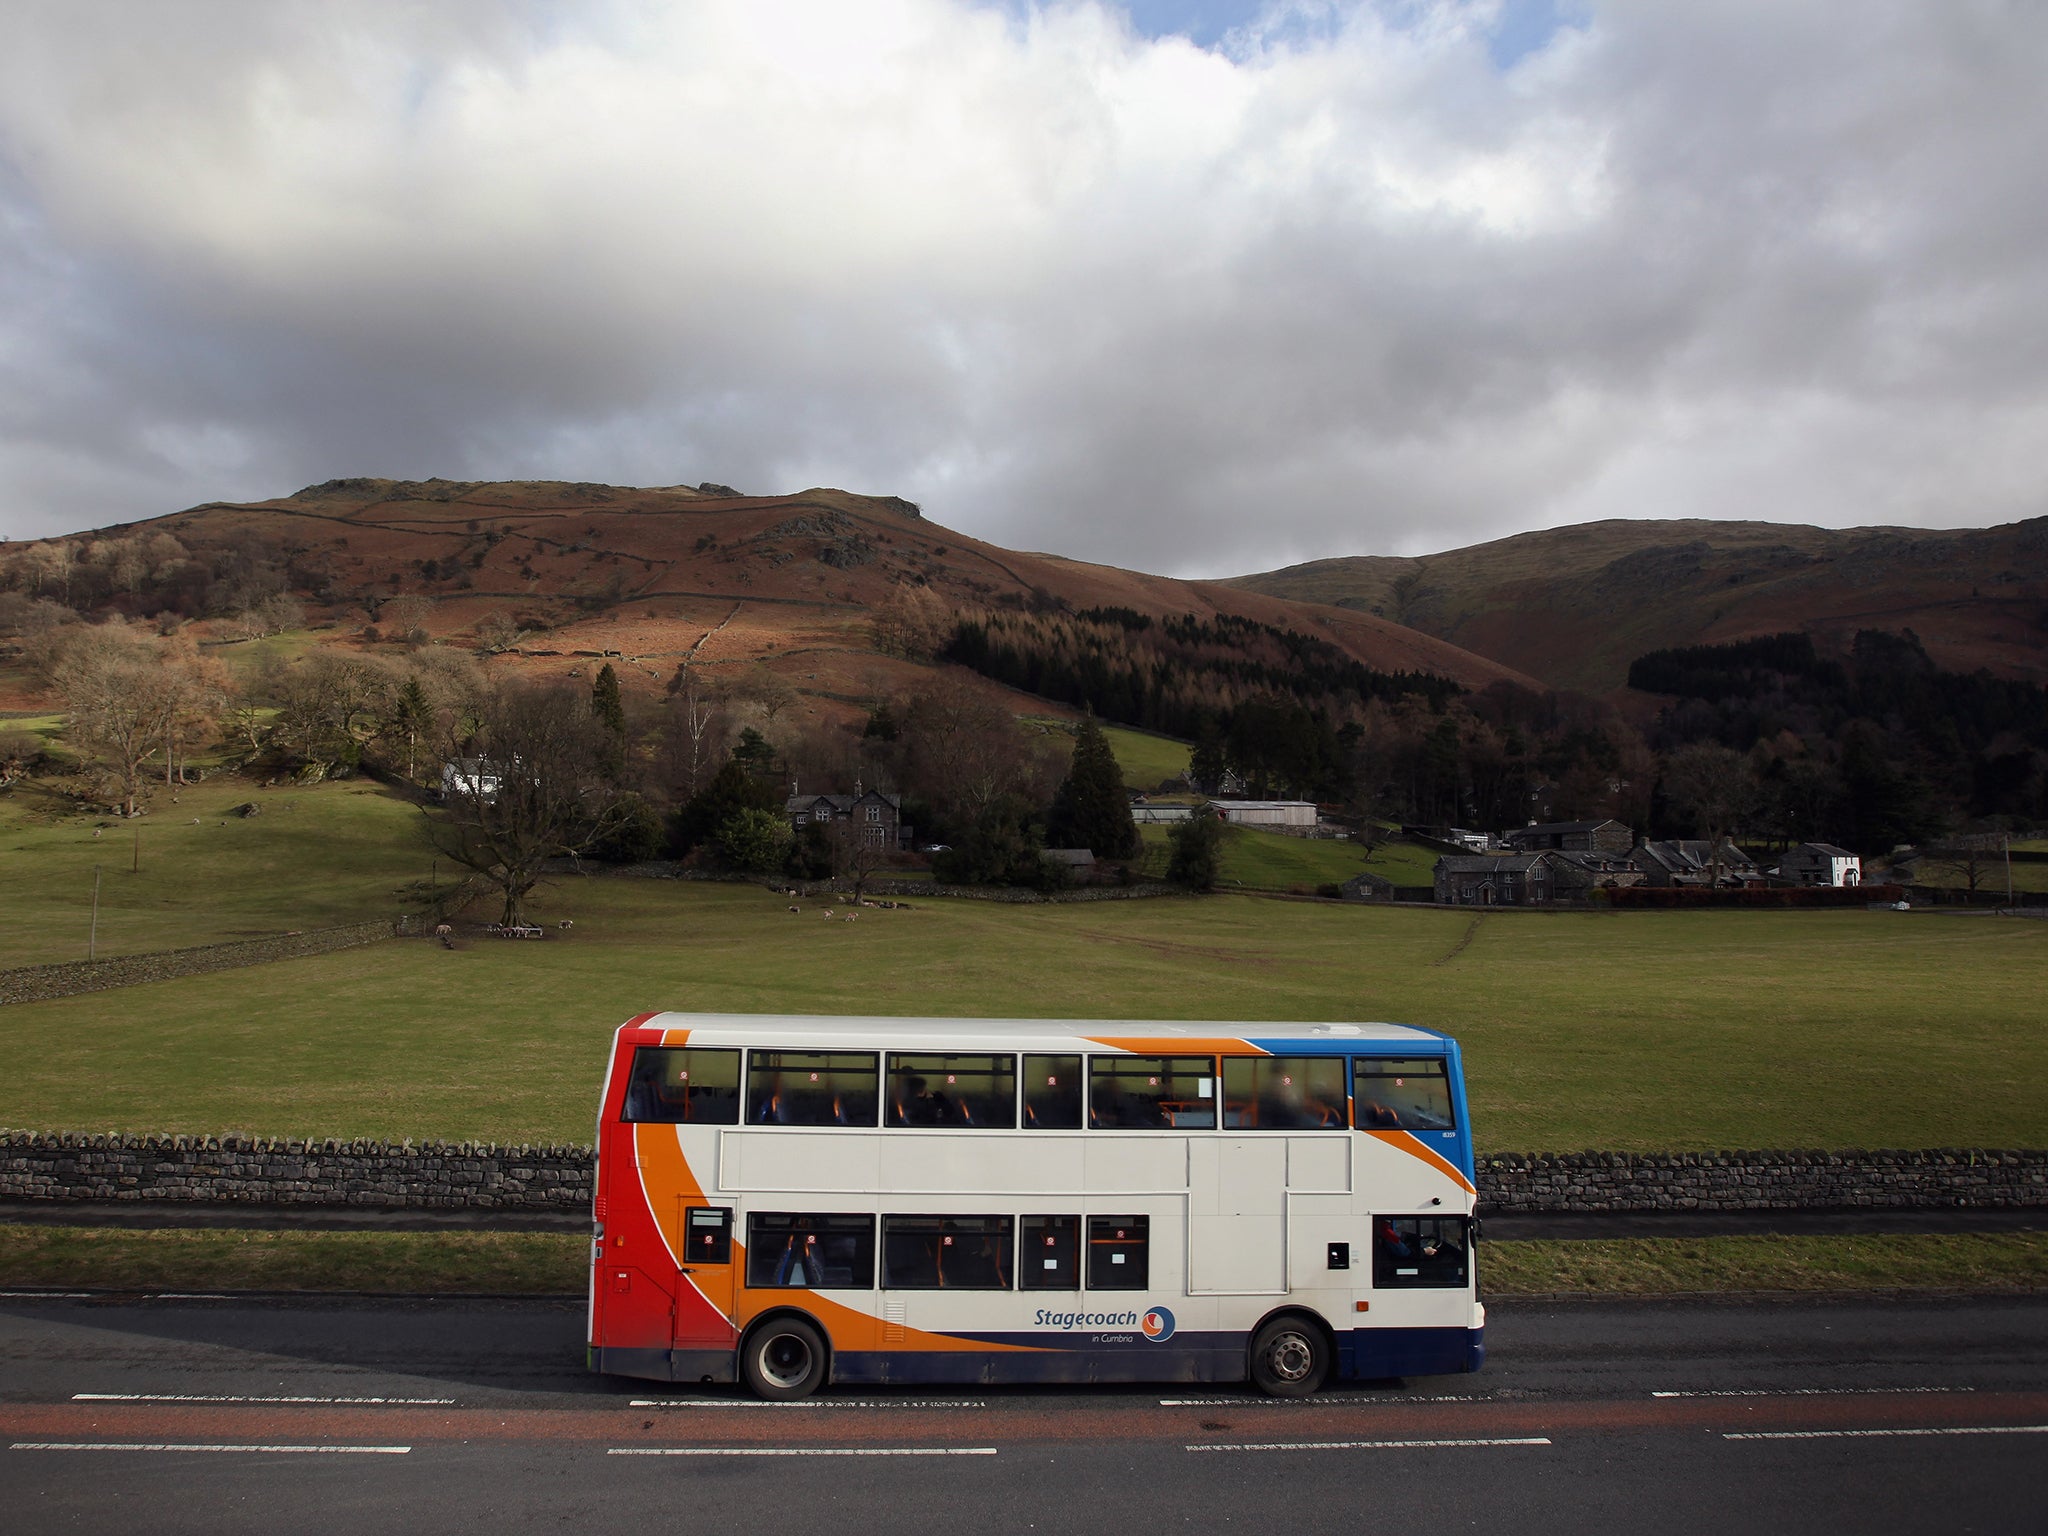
(784, 1359)
(1290, 1357)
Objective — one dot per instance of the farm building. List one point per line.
(1283, 815)
(1819, 864)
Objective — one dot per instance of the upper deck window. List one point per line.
(1052, 1093)
(1152, 1092)
(1283, 1093)
(1402, 1093)
(976, 1091)
(811, 1088)
(678, 1084)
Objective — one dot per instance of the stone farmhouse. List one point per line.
(875, 817)
(1571, 837)
(1690, 861)
(1819, 864)
(1529, 879)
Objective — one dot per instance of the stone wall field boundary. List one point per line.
(1532, 1184)
(40, 983)
(254, 1170)
(485, 1176)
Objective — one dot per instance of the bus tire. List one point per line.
(1290, 1357)
(783, 1359)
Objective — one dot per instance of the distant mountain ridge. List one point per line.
(1574, 606)
(656, 575)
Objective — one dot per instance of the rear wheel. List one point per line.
(1290, 1357)
(783, 1359)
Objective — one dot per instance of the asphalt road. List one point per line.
(225, 1415)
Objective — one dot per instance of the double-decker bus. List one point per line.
(787, 1201)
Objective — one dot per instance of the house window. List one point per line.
(874, 813)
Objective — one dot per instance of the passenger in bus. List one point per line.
(971, 1260)
(800, 1257)
(918, 1105)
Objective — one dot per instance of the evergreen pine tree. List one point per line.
(610, 710)
(1195, 843)
(1091, 808)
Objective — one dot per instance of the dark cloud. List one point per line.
(1345, 281)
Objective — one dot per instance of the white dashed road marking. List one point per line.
(268, 1450)
(1369, 1445)
(812, 1450)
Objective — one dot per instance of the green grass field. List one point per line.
(1256, 860)
(1626, 1031)
(1146, 760)
(206, 874)
(546, 1263)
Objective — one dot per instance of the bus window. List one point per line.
(1116, 1253)
(955, 1253)
(1050, 1262)
(1410, 1094)
(675, 1084)
(811, 1088)
(1052, 1093)
(822, 1251)
(1410, 1251)
(978, 1091)
(1283, 1093)
(1152, 1092)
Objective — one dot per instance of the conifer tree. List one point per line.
(1091, 809)
(610, 710)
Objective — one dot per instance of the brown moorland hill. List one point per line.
(1575, 605)
(658, 575)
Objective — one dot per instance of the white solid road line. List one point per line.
(270, 1450)
(1888, 1434)
(794, 1450)
(748, 1402)
(1322, 1402)
(1816, 1392)
(209, 1397)
(1369, 1445)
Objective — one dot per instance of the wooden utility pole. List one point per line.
(92, 940)
(135, 866)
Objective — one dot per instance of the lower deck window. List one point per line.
(1116, 1253)
(1051, 1257)
(826, 1251)
(1415, 1251)
(954, 1253)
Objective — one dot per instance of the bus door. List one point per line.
(704, 1317)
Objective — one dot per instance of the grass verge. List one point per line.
(1655, 1266)
(549, 1263)
(179, 1259)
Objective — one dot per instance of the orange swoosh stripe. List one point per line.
(1403, 1141)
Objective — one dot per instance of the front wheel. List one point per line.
(783, 1360)
(1290, 1358)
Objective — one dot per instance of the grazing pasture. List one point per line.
(1647, 1030)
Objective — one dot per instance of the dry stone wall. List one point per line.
(485, 1176)
(39, 983)
(245, 1170)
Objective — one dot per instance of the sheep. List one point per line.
(795, 910)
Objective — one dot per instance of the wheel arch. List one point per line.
(776, 1313)
(1287, 1310)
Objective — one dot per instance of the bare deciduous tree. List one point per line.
(1713, 785)
(112, 679)
(533, 791)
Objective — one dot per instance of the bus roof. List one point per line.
(1151, 1036)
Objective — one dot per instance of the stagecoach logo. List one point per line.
(1156, 1324)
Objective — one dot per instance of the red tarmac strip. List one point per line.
(1333, 1420)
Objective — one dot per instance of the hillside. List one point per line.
(1575, 605)
(658, 575)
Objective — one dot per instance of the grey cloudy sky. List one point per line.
(1198, 287)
